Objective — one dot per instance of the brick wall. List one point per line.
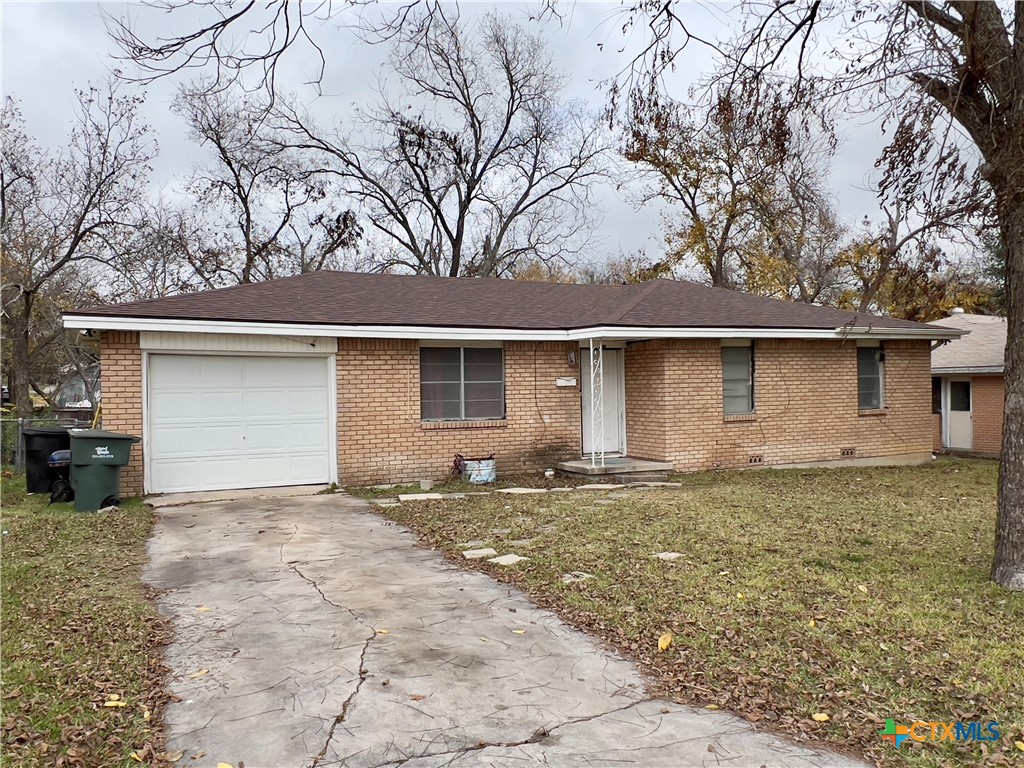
(987, 413)
(937, 432)
(806, 394)
(382, 439)
(806, 404)
(121, 373)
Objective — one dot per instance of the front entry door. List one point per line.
(614, 410)
(961, 428)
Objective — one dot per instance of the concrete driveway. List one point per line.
(312, 632)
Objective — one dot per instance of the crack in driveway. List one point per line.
(363, 671)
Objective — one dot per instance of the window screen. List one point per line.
(869, 378)
(459, 383)
(738, 380)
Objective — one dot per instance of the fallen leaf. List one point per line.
(1019, 745)
(114, 704)
(147, 715)
(518, 631)
(862, 588)
(135, 756)
(224, 765)
(739, 595)
(711, 706)
(811, 623)
(199, 755)
(820, 717)
(665, 641)
(200, 673)
(170, 757)
(383, 631)
(417, 697)
(113, 697)
(204, 609)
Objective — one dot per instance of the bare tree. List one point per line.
(949, 77)
(489, 170)
(61, 211)
(267, 214)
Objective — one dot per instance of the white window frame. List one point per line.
(751, 375)
(879, 350)
(462, 382)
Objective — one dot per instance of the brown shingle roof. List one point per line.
(347, 298)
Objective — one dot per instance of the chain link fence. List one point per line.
(12, 439)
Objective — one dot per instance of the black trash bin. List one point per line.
(40, 442)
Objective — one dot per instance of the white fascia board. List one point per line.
(612, 333)
(873, 332)
(968, 370)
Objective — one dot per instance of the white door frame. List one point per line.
(946, 401)
(332, 401)
(621, 410)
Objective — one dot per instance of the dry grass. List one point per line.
(859, 593)
(78, 629)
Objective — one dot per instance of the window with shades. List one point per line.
(462, 383)
(738, 380)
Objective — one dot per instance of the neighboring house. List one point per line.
(967, 385)
(359, 378)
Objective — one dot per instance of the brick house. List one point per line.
(359, 378)
(967, 385)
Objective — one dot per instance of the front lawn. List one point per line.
(860, 594)
(82, 677)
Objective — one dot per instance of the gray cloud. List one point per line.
(50, 48)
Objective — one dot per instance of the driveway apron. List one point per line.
(311, 632)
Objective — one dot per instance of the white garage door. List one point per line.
(237, 422)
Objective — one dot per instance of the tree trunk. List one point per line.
(1008, 564)
(20, 375)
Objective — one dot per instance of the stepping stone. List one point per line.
(501, 531)
(668, 555)
(450, 496)
(546, 528)
(662, 485)
(599, 487)
(618, 495)
(607, 501)
(522, 490)
(418, 496)
(473, 545)
(575, 577)
(477, 554)
(561, 490)
(521, 543)
(509, 559)
(477, 493)
(387, 503)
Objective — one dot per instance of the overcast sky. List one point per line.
(49, 48)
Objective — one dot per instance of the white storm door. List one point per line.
(613, 413)
(961, 417)
(218, 422)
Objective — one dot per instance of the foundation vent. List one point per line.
(847, 453)
(755, 460)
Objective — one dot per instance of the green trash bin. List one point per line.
(96, 460)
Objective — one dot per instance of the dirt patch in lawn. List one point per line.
(81, 639)
(856, 594)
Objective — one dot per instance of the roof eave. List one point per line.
(965, 370)
(621, 333)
